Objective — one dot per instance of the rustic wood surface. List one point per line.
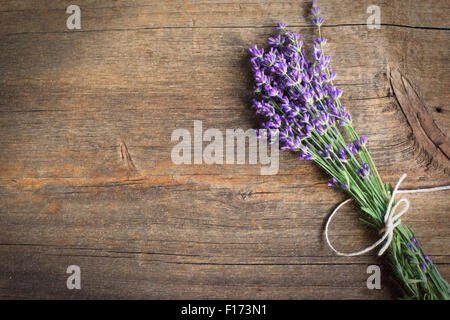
(86, 177)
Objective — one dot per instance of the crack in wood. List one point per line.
(222, 27)
(126, 157)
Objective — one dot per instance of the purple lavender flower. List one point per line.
(277, 41)
(413, 240)
(257, 53)
(317, 21)
(333, 182)
(263, 108)
(320, 41)
(364, 172)
(423, 266)
(352, 149)
(292, 92)
(305, 153)
(281, 26)
(334, 92)
(297, 97)
(360, 143)
(315, 11)
(363, 140)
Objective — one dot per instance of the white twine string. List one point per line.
(391, 219)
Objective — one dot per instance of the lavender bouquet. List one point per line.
(301, 107)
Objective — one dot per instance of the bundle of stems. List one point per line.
(301, 106)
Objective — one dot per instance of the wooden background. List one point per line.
(86, 176)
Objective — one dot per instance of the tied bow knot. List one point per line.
(391, 221)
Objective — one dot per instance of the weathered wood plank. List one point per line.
(37, 17)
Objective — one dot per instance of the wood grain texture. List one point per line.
(86, 176)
